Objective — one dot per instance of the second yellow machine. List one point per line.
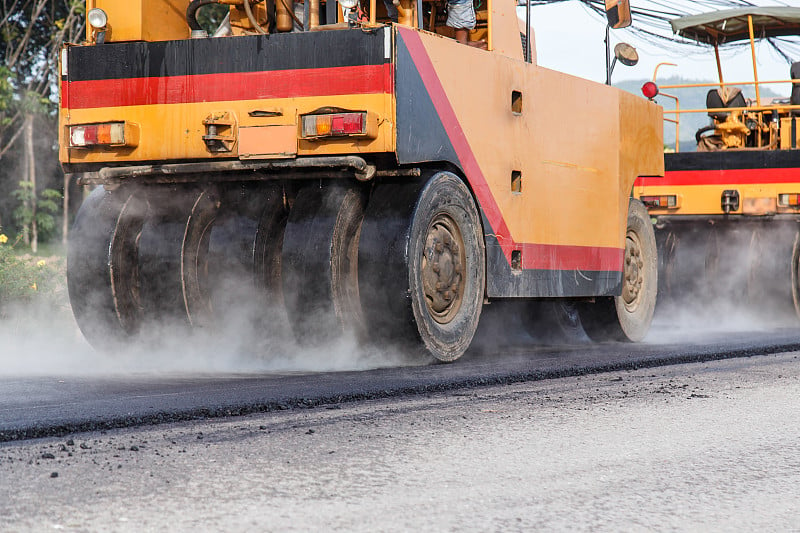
(728, 207)
(352, 173)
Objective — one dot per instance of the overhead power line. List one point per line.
(652, 17)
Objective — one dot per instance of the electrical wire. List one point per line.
(652, 25)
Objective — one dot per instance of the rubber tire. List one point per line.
(232, 246)
(553, 321)
(796, 274)
(608, 318)
(393, 241)
(161, 251)
(771, 281)
(319, 263)
(194, 260)
(89, 277)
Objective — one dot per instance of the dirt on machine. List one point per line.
(728, 207)
(338, 168)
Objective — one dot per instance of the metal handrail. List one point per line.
(778, 107)
(724, 84)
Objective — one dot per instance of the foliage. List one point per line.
(47, 209)
(31, 35)
(26, 278)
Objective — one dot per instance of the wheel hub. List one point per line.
(443, 265)
(634, 272)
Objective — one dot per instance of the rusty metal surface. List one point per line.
(350, 166)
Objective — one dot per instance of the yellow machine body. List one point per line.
(269, 130)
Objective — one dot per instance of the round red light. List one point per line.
(650, 90)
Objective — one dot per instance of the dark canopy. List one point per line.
(730, 25)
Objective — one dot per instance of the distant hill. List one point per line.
(694, 98)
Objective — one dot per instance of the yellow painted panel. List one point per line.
(143, 20)
(566, 143)
(175, 131)
(267, 141)
(707, 199)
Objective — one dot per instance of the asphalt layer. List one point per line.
(712, 446)
(61, 405)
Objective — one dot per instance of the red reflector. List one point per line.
(347, 124)
(337, 124)
(353, 123)
(90, 134)
(650, 90)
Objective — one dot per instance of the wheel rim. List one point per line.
(634, 272)
(443, 266)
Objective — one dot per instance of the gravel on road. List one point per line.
(687, 447)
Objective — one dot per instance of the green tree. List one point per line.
(36, 211)
(31, 35)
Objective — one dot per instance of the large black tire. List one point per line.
(422, 265)
(319, 263)
(795, 268)
(771, 280)
(145, 259)
(163, 253)
(230, 268)
(194, 260)
(91, 282)
(686, 256)
(552, 321)
(627, 317)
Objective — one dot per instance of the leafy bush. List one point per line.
(25, 278)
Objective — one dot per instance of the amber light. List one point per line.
(334, 124)
(667, 201)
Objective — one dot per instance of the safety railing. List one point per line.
(673, 115)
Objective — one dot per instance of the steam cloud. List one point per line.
(42, 338)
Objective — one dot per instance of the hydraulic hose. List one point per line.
(252, 18)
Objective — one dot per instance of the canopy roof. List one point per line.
(730, 25)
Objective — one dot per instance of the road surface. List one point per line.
(689, 447)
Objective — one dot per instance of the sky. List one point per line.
(569, 38)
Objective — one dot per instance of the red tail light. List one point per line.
(334, 125)
(107, 134)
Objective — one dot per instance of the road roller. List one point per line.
(347, 169)
(728, 206)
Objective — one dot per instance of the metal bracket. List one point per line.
(730, 201)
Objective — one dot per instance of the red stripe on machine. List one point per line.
(561, 257)
(364, 79)
(738, 176)
(535, 256)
